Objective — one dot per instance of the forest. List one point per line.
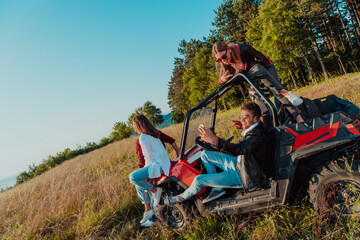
(309, 41)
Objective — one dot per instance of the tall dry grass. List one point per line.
(90, 197)
(85, 197)
(84, 194)
(346, 87)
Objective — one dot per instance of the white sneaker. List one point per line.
(156, 196)
(148, 223)
(173, 200)
(295, 100)
(147, 216)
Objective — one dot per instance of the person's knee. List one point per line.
(256, 67)
(132, 178)
(257, 71)
(208, 155)
(198, 180)
(204, 154)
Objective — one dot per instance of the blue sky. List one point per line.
(70, 69)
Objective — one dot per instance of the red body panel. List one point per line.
(307, 139)
(184, 170)
(352, 129)
(332, 133)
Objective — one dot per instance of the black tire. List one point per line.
(334, 189)
(176, 216)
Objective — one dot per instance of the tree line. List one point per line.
(120, 131)
(308, 40)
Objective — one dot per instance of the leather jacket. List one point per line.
(252, 154)
(251, 56)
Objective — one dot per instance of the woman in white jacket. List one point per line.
(157, 162)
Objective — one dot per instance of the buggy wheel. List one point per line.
(334, 189)
(175, 216)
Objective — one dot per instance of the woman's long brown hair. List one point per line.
(219, 47)
(143, 125)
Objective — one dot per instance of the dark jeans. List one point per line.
(270, 78)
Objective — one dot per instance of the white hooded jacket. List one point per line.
(156, 157)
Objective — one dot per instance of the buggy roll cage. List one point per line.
(235, 80)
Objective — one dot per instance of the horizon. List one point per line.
(8, 182)
(69, 68)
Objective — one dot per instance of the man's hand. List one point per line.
(207, 135)
(237, 124)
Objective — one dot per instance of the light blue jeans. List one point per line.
(230, 177)
(142, 186)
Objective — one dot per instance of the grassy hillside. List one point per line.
(90, 197)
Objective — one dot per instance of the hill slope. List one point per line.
(90, 197)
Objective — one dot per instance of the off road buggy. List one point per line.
(321, 154)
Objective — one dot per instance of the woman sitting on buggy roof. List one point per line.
(234, 58)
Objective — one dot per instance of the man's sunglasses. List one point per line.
(222, 57)
(243, 116)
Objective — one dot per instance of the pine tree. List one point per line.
(277, 32)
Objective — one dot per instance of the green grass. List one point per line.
(90, 197)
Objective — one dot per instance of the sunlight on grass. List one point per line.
(90, 197)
